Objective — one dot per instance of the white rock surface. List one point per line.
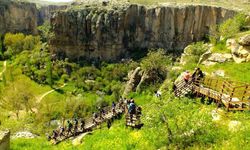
(24, 134)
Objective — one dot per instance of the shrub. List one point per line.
(232, 26)
(16, 43)
(155, 64)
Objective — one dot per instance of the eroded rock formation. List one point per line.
(24, 17)
(109, 33)
(18, 17)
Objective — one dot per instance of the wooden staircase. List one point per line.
(110, 114)
(182, 88)
(233, 95)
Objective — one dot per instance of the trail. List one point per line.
(4, 68)
(47, 93)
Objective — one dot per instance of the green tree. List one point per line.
(49, 72)
(17, 96)
(44, 31)
(14, 42)
(232, 26)
(29, 42)
(155, 64)
(1, 47)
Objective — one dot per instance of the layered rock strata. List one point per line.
(24, 17)
(110, 33)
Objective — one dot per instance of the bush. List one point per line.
(16, 43)
(1, 47)
(232, 26)
(155, 65)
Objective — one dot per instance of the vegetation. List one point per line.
(16, 43)
(169, 122)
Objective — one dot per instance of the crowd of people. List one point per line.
(75, 126)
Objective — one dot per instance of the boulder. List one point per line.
(220, 57)
(232, 45)
(244, 51)
(220, 73)
(238, 60)
(4, 140)
(208, 63)
(245, 40)
(240, 50)
(205, 56)
(24, 134)
(134, 80)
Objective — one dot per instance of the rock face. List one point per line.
(4, 140)
(240, 50)
(23, 17)
(18, 17)
(45, 12)
(134, 79)
(108, 33)
(245, 40)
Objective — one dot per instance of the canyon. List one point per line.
(111, 33)
(24, 17)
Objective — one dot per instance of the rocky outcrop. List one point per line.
(109, 33)
(24, 17)
(134, 79)
(24, 134)
(218, 58)
(4, 140)
(245, 40)
(240, 50)
(18, 17)
(45, 12)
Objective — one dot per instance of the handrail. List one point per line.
(226, 90)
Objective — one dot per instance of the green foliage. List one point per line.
(220, 47)
(233, 71)
(232, 26)
(15, 98)
(16, 43)
(49, 72)
(193, 53)
(1, 47)
(155, 65)
(44, 31)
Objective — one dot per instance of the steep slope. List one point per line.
(108, 33)
(24, 17)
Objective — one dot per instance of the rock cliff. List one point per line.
(111, 32)
(4, 140)
(24, 17)
(18, 17)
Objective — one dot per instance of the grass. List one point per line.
(233, 71)
(220, 47)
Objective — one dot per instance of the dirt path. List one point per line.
(4, 68)
(47, 93)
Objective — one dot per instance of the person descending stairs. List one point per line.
(106, 114)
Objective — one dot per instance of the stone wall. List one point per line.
(110, 33)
